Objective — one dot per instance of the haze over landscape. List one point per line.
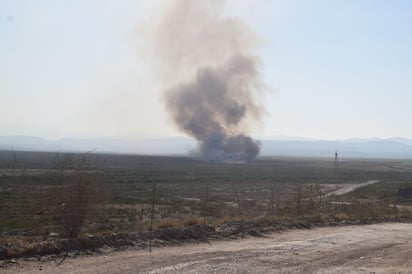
(270, 146)
(331, 70)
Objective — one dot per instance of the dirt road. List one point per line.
(344, 189)
(379, 248)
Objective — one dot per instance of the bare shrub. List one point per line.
(73, 193)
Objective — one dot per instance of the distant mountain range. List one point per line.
(356, 148)
(271, 146)
(157, 146)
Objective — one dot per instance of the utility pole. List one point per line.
(336, 165)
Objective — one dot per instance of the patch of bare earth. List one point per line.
(343, 189)
(377, 248)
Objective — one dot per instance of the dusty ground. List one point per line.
(379, 248)
(347, 188)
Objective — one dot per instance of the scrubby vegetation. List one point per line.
(51, 197)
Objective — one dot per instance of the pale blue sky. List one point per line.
(339, 69)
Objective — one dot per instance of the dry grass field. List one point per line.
(45, 197)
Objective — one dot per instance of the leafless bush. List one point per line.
(73, 193)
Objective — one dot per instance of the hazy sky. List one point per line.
(338, 69)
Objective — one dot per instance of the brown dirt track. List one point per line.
(377, 248)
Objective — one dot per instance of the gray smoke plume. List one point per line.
(215, 78)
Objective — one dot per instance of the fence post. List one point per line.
(240, 214)
(271, 209)
(205, 206)
(151, 218)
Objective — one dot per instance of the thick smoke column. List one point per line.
(215, 78)
(212, 106)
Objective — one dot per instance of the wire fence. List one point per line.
(42, 208)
